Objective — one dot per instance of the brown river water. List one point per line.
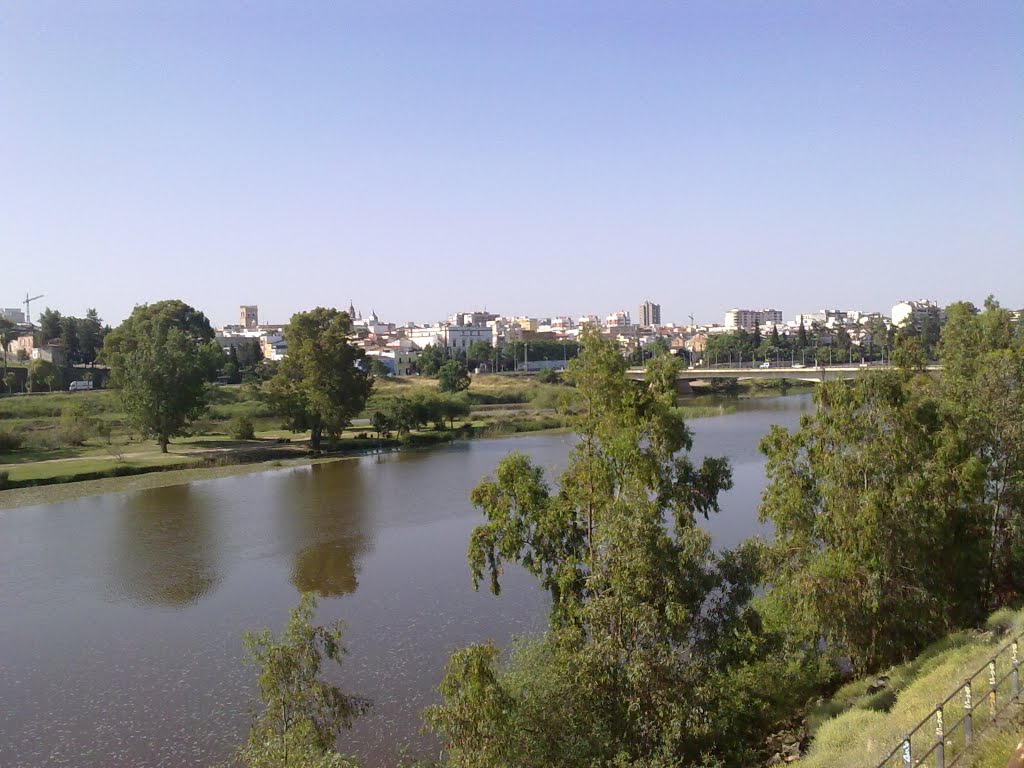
(121, 616)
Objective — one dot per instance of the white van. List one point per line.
(80, 386)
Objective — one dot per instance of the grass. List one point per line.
(856, 729)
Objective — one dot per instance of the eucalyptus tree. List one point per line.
(637, 596)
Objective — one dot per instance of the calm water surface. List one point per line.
(121, 615)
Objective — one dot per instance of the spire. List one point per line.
(351, 310)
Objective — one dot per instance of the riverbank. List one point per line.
(114, 463)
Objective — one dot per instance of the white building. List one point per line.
(617, 319)
(748, 319)
(917, 313)
(449, 336)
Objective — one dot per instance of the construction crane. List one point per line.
(691, 320)
(28, 307)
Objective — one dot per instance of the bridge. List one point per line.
(701, 375)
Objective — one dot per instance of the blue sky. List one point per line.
(535, 158)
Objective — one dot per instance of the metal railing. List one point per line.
(980, 699)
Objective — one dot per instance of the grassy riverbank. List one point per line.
(83, 438)
(865, 719)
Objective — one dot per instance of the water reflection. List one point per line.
(165, 547)
(323, 516)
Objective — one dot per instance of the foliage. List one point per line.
(549, 376)
(641, 608)
(480, 353)
(302, 715)
(378, 368)
(982, 384)
(76, 425)
(453, 377)
(161, 358)
(430, 360)
(8, 333)
(10, 441)
(242, 428)
(44, 374)
(319, 386)
(877, 538)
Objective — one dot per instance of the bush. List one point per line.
(10, 441)
(3, 479)
(549, 376)
(242, 428)
(76, 425)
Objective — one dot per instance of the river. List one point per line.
(121, 616)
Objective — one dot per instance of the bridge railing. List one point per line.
(945, 734)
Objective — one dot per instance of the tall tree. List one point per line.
(161, 359)
(982, 383)
(630, 576)
(802, 336)
(90, 336)
(878, 542)
(320, 385)
(49, 326)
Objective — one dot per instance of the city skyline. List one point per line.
(529, 159)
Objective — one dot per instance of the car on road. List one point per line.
(798, 365)
(765, 364)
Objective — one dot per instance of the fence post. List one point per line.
(968, 709)
(906, 753)
(992, 688)
(940, 740)
(1016, 669)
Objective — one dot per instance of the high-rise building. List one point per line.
(649, 314)
(13, 314)
(248, 316)
(748, 319)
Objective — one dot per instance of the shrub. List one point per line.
(3, 479)
(242, 428)
(549, 376)
(76, 425)
(10, 441)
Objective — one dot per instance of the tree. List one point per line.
(430, 360)
(9, 380)
(776, 341)
(453, 377)
(302, 714)
(802, 336)
(378, 369)
(43, 373)
(480, 352)
(320, 386)
(637, 595)
(90, 336)
(8, 333)
(161, 359)
(49, 326)
(452, 407)
(982, 384)
(69, 340)
(878, 542)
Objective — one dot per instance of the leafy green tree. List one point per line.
(319, 386)
(454, 407)
(878, 542)
(44, 374)
(430, 360)
(802, 336)
(9, 381)
(302, 715)
(69, 340)
(378, 369)
(982, 384)
(161, 359)
(480, 352)
(453, 377)
(90, 333)
(49, 326)
(630, 575)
